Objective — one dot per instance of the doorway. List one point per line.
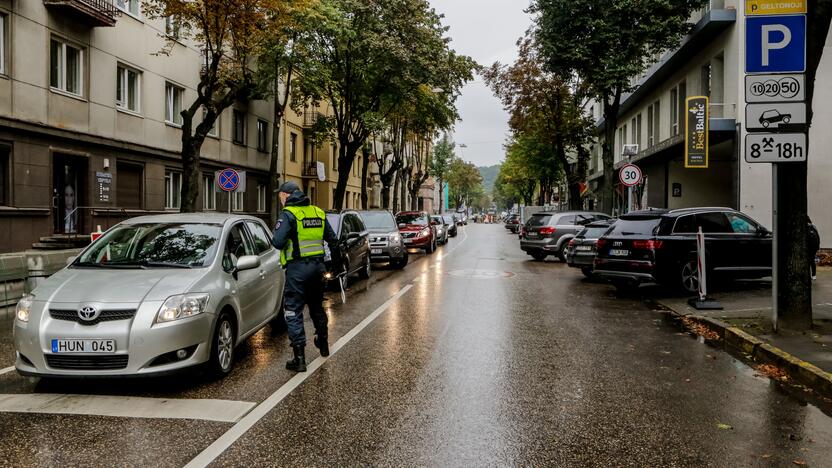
(68, 194)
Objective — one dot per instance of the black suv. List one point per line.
(355, 245)
(660, 246)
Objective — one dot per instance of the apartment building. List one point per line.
(709, 62)
(90, 125)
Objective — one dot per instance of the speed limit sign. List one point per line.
(630, 175)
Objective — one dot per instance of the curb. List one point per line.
(760, 351)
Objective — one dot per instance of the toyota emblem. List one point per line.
(88, 313)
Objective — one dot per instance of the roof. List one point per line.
(645, 214)
(213, 218)
(653, 213)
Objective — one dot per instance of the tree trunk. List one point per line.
(608, 154)
(365, 166)
(190, 174)
(346, 156)
(396, 193)
(794, 293)
(441, 195)
(403, 188)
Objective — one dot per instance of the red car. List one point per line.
(417, 231)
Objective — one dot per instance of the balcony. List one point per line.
(309, 170)
(94, 13)
(310, 118)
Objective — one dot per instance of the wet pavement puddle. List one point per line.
(481, 274)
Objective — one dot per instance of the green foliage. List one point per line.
(443, 155)
(464, 183)
(489, 176)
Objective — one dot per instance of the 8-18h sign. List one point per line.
(696, 132)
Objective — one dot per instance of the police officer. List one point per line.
(299, 235)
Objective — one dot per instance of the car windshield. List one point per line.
(635, 227)
(593, 232)
(412, 218)
(448, 219)
(378, 220)
(154, 245)
(539, 220)
(438, 219)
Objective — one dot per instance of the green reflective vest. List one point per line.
(310, 222)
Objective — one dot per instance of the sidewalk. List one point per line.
(747, 307)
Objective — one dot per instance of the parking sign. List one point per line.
(775, 44)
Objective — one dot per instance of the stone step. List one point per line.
(53, 246)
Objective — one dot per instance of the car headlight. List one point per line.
(327, 275)
(424, 232)
(23, 307)
(395, 239)
(182, 306)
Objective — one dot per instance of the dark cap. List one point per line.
(288, 187)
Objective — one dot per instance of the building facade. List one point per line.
(709, 62)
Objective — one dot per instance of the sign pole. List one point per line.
(229, 202)
(775, 238)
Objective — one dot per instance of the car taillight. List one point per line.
(600, 243)
(648, 244)
(547, 230)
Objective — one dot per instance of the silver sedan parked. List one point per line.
(153, 295)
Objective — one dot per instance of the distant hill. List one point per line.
(489, 176)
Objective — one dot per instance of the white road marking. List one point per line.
(126, 407)
(6, 370)
(232, 435)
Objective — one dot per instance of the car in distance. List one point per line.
(153, 295)
(451, 222)
(513, 223)
(385, 240)
(660, 246)
(548, 233)
(355, 244)
(580, 252)
(461, 218)
(774, 116)
(438, 223)
(416, 230)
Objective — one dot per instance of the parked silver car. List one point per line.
(385, 240)
(549, 233)
(442, 229)
(153, 295)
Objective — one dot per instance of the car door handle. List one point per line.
(262, 274)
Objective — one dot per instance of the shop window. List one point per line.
(129, 185)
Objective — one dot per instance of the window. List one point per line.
(172, 25)
(66, 67)
(261, 198)
(236, 246)
(633, 135)
(209, 193)
(741, 225)
(713, 223)
(685, 225)
(335, 157)
(173, 104)
(213, 132)
(674, 112)
(173, 189)
(129, 185)
(657, 122)
(262, 135)
(651, 138)
(566, 220)
(238, 201)
(262, 239)
(4, 177)
(706, 80)
(683, 95)
(130, 6)
(127, 88)
(293, 147)
(638, 131)
(239, 127)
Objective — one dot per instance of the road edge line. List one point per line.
(6, 370)
(220, 445)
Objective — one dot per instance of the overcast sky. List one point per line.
(486, 30)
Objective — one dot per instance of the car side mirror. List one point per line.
(402, 225)
(247, 262)
(353, 235)
(761, 231)
(434, 223)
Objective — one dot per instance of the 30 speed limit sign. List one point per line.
(630, 175)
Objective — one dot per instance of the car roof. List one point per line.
(195, 218)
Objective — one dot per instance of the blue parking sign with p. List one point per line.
(775, 44)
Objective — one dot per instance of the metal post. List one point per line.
(229, 202)
(702, 267)
(629, 199)
(774, 241)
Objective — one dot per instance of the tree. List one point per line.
(368, 57)
(443, 154)
(605, 43)
(230, 35)
(544, 106)
(794, 301)
(464, 182)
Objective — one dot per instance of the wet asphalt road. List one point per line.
(485, 358)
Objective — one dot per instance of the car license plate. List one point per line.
(375, 251)
(584, 248)
(532, 235)
(60, 346)
(408, 241)
(619, 253)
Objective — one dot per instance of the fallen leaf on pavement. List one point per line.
(687, 380)
(767, 455)
(724, 426)
(799, 462)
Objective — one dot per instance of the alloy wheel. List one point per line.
(225, 345)
(690, 276)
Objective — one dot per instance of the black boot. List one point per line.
(322, 344)
(298, 364)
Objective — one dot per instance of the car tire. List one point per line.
(587, 271)
(366, 270)
(689, 276)
(400, 263)
(539, 256)
(431, 248)
(562, 251)
(223, 343)
(787, 120)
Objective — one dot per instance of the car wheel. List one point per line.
(222, 349)
(562, 251)
(765, 123)
(689, 276)
(365, 272)
(787, 119)
(587, 271)
(430, 248)
(400, 263)
(539, 256)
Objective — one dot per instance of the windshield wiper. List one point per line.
(87, 264)
(165, 265)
